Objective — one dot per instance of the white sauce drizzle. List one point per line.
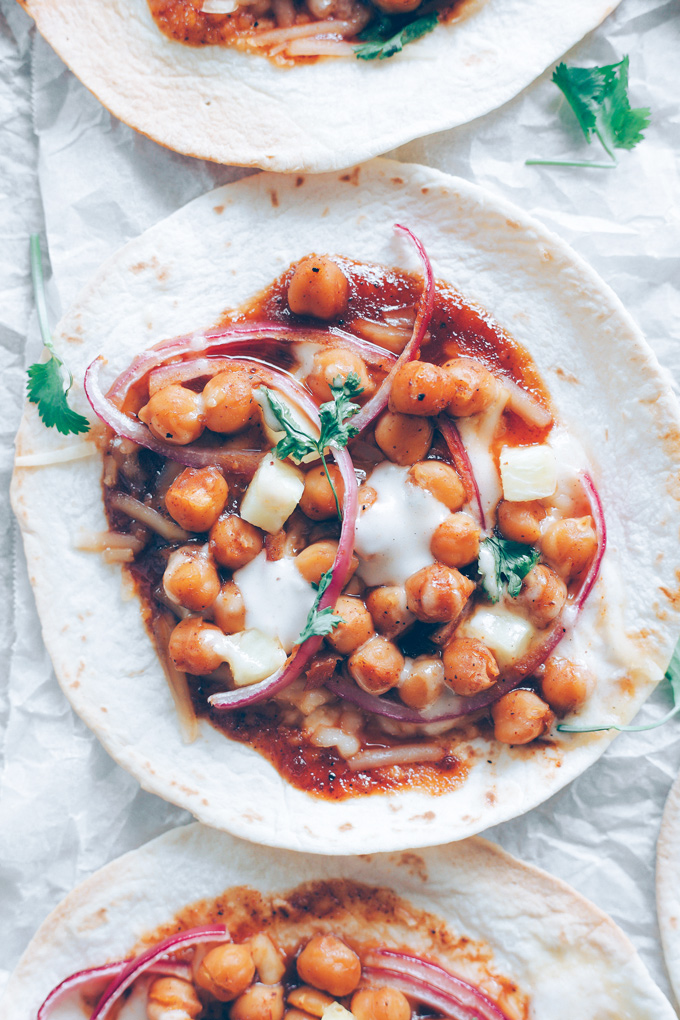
(477, 433)
(393, 536)
(276, 597)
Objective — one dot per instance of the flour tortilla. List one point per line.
(561, 950)
(238, 108)
(668, 885)
(222, 249)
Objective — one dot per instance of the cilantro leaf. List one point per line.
(335, 430)
(46, 389)
(335, 414)
(584, 89)
(624, 126)
(502, 564)
(672, 674)
(388, 36)
(320, 621)
(47, 386)
(296, 442)
(599, 99)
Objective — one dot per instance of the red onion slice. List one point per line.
(168, 968)
(430, 984)
(378, 402)
(462, 464)
(243, 335)
(345, 688)
(296, 664)
(135, 968)
(512, 675)
(243, 462)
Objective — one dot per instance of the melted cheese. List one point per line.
(276, 597)
(393, 536)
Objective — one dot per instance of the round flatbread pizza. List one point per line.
(196, 924)
(667, 884)
(372, 522)
(307, 85)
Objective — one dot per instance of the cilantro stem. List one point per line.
(571, 162)
(330, 482)
(39, 291)
(565, 728)
(606, 147)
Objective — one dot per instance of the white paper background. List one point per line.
(91, 183)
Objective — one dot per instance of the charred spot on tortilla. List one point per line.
(326, 576)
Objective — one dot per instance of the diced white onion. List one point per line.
(336, 1012)
(219, 6)
(528, 472)
(506, 634)
(274, 492)
(252, 655)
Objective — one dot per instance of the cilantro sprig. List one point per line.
(49, 381)
(388, 35)
(335, 428)
(503, 564)
(672, 675)
(320, 621)
(599, 98)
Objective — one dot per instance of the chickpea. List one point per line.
(441, 480)
(387, 605)
(318, 287)
(317, 558)
(229, 402)
(469, 666)
(569, 545)
(191, 578)
(328, 964)
(474, 387)
(259, 1002)
(196, 498)
(310, 1000)
(318, 501)
(421, 682)
(519, 717)
(356, 628)
(191, 646)
(175, 415)
(404, 438)
(437, 593)
(229, 611)
(420, 388)
(334, 364)
(234, 542)
(520, 522)
(226, 972)
(376, 666)
(543, 594)
(455, 543)
(397, 6)
(172, 998)
(380, 1004)
(566, 685)
(367, 497)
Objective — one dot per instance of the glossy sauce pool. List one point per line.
(456, 329)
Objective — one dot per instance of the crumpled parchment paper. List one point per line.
(90, 183)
